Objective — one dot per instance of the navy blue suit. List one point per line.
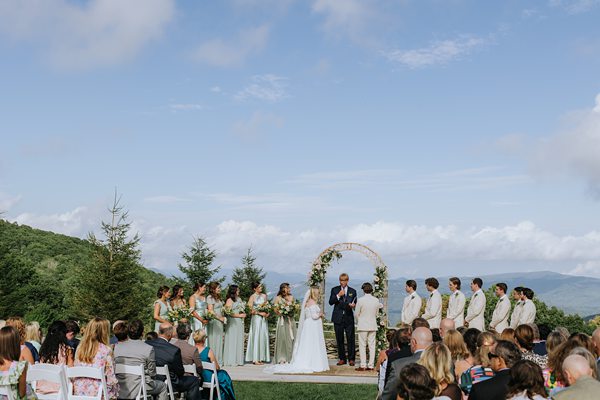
(343, 321)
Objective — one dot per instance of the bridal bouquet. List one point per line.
(238, 309)
(287, 310)
(210, 315)
(264, 307)
(177, 314)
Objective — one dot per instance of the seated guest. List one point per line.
(28, 352)
(481, 367)
(151, 336)
(582, 385)
(446, 325)
(33, 335)
(402, 338)
(504, 357)
(526, 382)
(415, 383)
(55, 350)
(189, 353)
(119, 329)
(72, 332)
(381, 364)
(131, 350)
(553, 342)
(590, 357)
(540, 333)
(508, 334)
(94, 351)
(596, 341)
(12, 371)
(207, 355)
(168, 354)
(419, 323)
(438, 361)
(458, 351)
(524, 335)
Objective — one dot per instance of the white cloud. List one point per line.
(89, 34)
(574, 150)
(221, 53)
(436, 53)
(186, 107)
(77, 222)
(351, 18)
(216, 89)
(575, 6)
(588, 268)
(165, 199)
(258, 125)
(268, 87)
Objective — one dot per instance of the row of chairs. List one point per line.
(63, 377)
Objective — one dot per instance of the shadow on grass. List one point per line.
(245, 390)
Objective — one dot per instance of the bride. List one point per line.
(309, 353)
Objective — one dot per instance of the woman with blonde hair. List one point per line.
(94, 351)
(438, 361)
(207, 355)
(509, 335)
(33, 335)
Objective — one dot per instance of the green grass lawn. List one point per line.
(245, 390)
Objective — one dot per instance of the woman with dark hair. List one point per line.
(480, 369)
(415, 383)
(55, 350)
(161, 306)
(286, 325)
(526, 382)
(12, 371)
(177, 299)
(524, 336)
(198, 306)
(258, 337)
(233, 351)
(469, 359)
(215, 328)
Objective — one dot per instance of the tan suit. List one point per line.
(433, 309)
(456, 308)
(411, 308)
(500, 317)
(189, 354)
(365, 313)
(476, 311)
(586, 388)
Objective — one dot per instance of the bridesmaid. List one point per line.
(161, 306)
(258, 337)
(286, 327)
(177, 299)
(215, 326)
(198, 306)
(233, 353)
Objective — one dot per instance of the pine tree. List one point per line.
(248, 273)
(110, 286)
(199, 259)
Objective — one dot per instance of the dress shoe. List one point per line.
(341, 362)
(360, 369)
(351, 363)
(370, 369)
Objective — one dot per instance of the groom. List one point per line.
(343, 300)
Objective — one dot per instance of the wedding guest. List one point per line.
(207, 355)
(72, 332)
(526, 382)
(553, 343)
(55, 350)
(456, 303)
(505, 356)
(458, 350)
(94, 351)
(438, 361)
(433, 306)
(382, 358)
(189, 353)
(343, 300)
(540, 333)
(367, 308)
(198, 306)
(501, 313)
(13, 371)
(151, 336)
(162, 306)
(33, 335)
(446, 325)
(582, 385)
(516, 313)
(476, 310)
(134, 351)
(596, 341)
(28, 352)
(415, 383)
(403, 340)
(558, 356)
(233, 350)
(412, 303)
(508, 334)
(119, 330)
(528, 310)
(481, 369)
(463, 364)
(178, 299)
(524, 336)
(215, 328)
(258, 350)
(419, 323)
(286, 326)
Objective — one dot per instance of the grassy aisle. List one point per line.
(246, 390)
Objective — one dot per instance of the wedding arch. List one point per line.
(380, 282)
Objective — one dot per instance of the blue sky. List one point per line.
(450, 136)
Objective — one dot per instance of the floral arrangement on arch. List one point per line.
(379, 289)
(317, 272)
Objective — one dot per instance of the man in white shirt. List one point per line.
(528, 308)
(456, 303)
(365, 312)
(514, 318)
(412, 303)
(500, 316)
(476, 311)
(433, 309)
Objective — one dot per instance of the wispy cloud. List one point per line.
(259, 124)
(232, 53)
(166, 199)
(186, 107)
(575, 6)
(439, 52)
(268, 87)
(351, 18)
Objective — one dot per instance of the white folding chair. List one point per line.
(51, 373)
(164, 370)
(190, 369)
(6, 390)
(137, 370)
(91, 373)
(214, 380)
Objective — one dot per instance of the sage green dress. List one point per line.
(215, 329)
(163, 313)
(258, 336)
(201, 310)
(233, 351)
(285, 332)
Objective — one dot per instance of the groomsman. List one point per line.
(433, 309)
(412, 303)
(343, 300)
(528, 308)
(476, 311)
(367, 308)
(456, 304)
(500, 316)
(514, 318)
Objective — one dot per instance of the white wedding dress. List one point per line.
(309, 353)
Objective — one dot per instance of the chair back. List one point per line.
(90, 373)
(190, 369)
(6, 390)
(164, 370)
(137, 370)
(214, 380)
(51, 373)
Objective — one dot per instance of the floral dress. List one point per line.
(11, 377)
(103, 360)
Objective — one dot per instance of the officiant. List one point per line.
(343, 300)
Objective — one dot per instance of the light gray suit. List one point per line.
(586, 388)
(390, 391)
(136, 352)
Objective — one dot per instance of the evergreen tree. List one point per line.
(248, 273)
(199, 259)
(110, 286)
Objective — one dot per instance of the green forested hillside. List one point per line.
(38, 272)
